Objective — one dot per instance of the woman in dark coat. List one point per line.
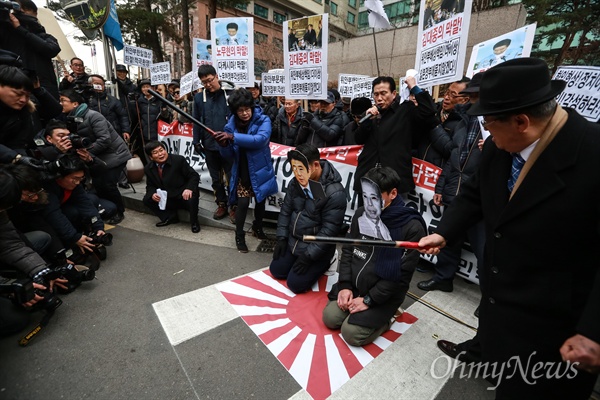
(246, 141)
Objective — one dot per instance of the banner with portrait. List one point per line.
(202, 53)
(233, 54)
(305, 57)
(442, 40)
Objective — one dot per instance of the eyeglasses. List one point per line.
(176, 92)
(485, 123)
(77, 65)
(77, 179)
(34, 194)
(452, 95)
(207, 81)
(64, 101)
(244, 110)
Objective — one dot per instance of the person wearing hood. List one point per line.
(109, 106)
(324, 129)
(287, 123)
(245, 140)
(314, 204)
(107, 148)
(24, 35)
(373, 281)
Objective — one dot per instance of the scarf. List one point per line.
(388, 264)
(80, 110)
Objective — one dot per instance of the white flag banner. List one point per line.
(185, 85)
(305, 57)
(377, 16)
(137, 56)
(515, 44)
(202, 53)
(233, 41)
(442, 41)
(583, 90)
(160, 73)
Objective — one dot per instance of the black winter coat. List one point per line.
(389, 140)
(14, 252)
(178, 175)
(212, 110)
(16, 132)
(146, 112)
(112, 109)
(454, 175)
(357, 273)
(436, 146)
(300, 215)
(324, 130)
(284, 132)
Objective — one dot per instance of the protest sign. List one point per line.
(160, 73)
(346, 83)
(273, 84)
(583, 90)
(363, 88)
(233, 41)
(442, 41)
(502, 48)
(137, 56)
(185, 85)
(305, 57)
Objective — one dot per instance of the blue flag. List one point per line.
(112, 28)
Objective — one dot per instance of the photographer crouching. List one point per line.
(107, 153)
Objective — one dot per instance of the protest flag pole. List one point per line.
(362, 242)
(376, 56)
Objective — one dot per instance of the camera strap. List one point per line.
(45, 320)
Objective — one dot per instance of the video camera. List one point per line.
(85, 89)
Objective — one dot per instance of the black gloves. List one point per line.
(301, 265)
(199, 149)
(308, 117)
(280, 249)
(223, 138)
(31, 162)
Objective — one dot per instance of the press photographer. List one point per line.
(107, 148)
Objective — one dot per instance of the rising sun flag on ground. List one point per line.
(290, 326)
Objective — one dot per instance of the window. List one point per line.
(317, 1)
(279, 18)
(398, 10)
(260, 66)
(333, 9)
(278, 43)
(261, 11)
(332, 39)
(260, 38)
(363, 19)
(352, 3)
(242, 6)
(351, 18)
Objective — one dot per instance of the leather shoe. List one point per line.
(445, 286)
(168, 221)
(195, 227)
(449, 348)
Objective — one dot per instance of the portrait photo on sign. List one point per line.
(439, 11)
(232, 32)
(369, 223)
(305, 33)
(204, 50)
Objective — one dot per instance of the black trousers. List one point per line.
(217, 166)
(105, 181)
(174, 204)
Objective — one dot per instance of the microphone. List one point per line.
(367, 116)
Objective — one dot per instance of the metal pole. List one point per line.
(376, 56)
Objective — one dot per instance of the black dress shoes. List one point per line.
(449, 348)
(444, 286)
(195, 227)
(168, 221)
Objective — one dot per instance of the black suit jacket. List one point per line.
(178, 175)
(540, 281)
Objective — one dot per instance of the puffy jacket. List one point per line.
(324, 130)
(255, 142)
(107, 145)
(14, 252)
(453, 174)
(147, 112)
(436, 146)
(284, 132)
(112, 109)
(16, 131)
(211, 109)
(58, 220)
(300, 215)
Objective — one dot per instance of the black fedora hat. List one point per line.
(514, 85)
(474, 84)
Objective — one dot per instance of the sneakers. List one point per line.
(220, 212)
(232, 214)
(240, 242)
(258, 232)
(116, 219)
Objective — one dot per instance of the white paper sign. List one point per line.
(583, 90)
(233, 57)
(363, 88)
(273, 84)
(137, 56)
(185, 85)
(305, 57)
(346, 83)
(442, 41)
(160, 73)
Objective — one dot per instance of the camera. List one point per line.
(79, 142)
(74, 274)
(6, 7)
(133, 96)
(84, 89)
(104, 240)
(20, 290)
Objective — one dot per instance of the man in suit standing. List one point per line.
(538, 180)
(173, 174)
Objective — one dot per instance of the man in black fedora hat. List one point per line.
(537, 181)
